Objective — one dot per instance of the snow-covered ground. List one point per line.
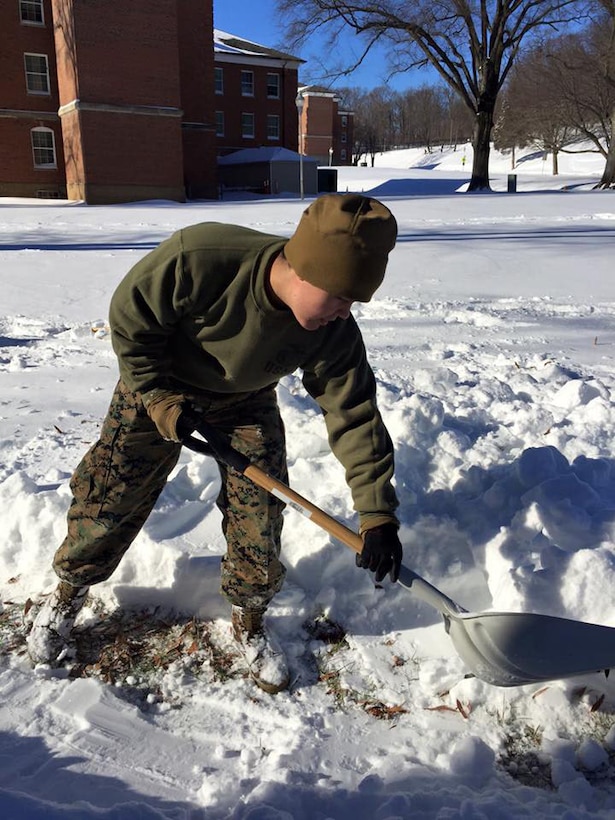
(493, 342)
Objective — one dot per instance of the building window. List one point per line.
(37, 73)
(31, 12)
(273, 127)
(344, 121)
(247, 83)
(273, 86)
(247, 126)
(219, 123)
(43, 148)
(219, 80)
(343, 154)
(344, 137)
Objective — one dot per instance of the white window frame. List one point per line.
(247, 118)
(29, 12)
(219, 123)
(40, 129)
(273, 127)
(273, 86)
(36, 74)
(247, 83)
(219, 80)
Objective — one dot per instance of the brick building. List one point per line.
(99, 102)
(31, 153)
(326, 129)
(255, 91)
(114, 102)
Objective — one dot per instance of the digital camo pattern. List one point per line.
(118, 482)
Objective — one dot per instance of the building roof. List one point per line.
(318, 89)
(225, 43)
(323, 91)
(249, 156)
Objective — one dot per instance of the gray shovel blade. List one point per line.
(516, 648)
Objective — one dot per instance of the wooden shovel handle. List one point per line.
(217, 444)
(305, 507)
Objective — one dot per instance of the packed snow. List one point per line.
(493, 342)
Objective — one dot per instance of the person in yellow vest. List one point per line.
(204, 327)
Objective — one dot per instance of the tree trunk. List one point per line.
(608, 175)
(481, 142)
(483, 126)
(555, 162)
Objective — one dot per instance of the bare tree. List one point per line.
(607, 9)
(533, 110)
(471, 45)
(566, 89)
(460, 119)
(426, 116)
(579, 77)
(374, 129)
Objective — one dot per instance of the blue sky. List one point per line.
(259, 21)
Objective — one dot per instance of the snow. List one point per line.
(492, 340)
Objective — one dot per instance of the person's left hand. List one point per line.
(382, 552)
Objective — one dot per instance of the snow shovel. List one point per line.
(501, 648)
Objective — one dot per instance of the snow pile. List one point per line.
(492, 342)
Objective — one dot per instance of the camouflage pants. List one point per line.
(117, 483)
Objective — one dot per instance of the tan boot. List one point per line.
(264, 656)
(49, 638)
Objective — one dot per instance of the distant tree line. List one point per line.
(429, 117)
(491, 58)
(384, 120)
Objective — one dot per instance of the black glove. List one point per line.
(188, 420)
(382, 552)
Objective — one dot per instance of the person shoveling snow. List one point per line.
(204, 327)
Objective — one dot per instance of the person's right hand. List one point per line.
(173, 414)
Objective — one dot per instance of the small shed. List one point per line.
(267, 171)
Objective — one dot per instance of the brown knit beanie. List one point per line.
(342, 245)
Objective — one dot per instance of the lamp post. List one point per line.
(299, 104)
(330, 156)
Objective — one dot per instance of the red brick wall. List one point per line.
(71, 135)
(344, 144)
(121, 56)
(114, 59)
(196, 59)
(318, 124)
(234, 104)
(17, 39)
(125, 53)
(196, 67)
(18, 176)
(323, 129)
(102, 172)
(20, 111)
(112, 142)
(290, 114)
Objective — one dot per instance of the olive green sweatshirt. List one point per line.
(195, 313)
